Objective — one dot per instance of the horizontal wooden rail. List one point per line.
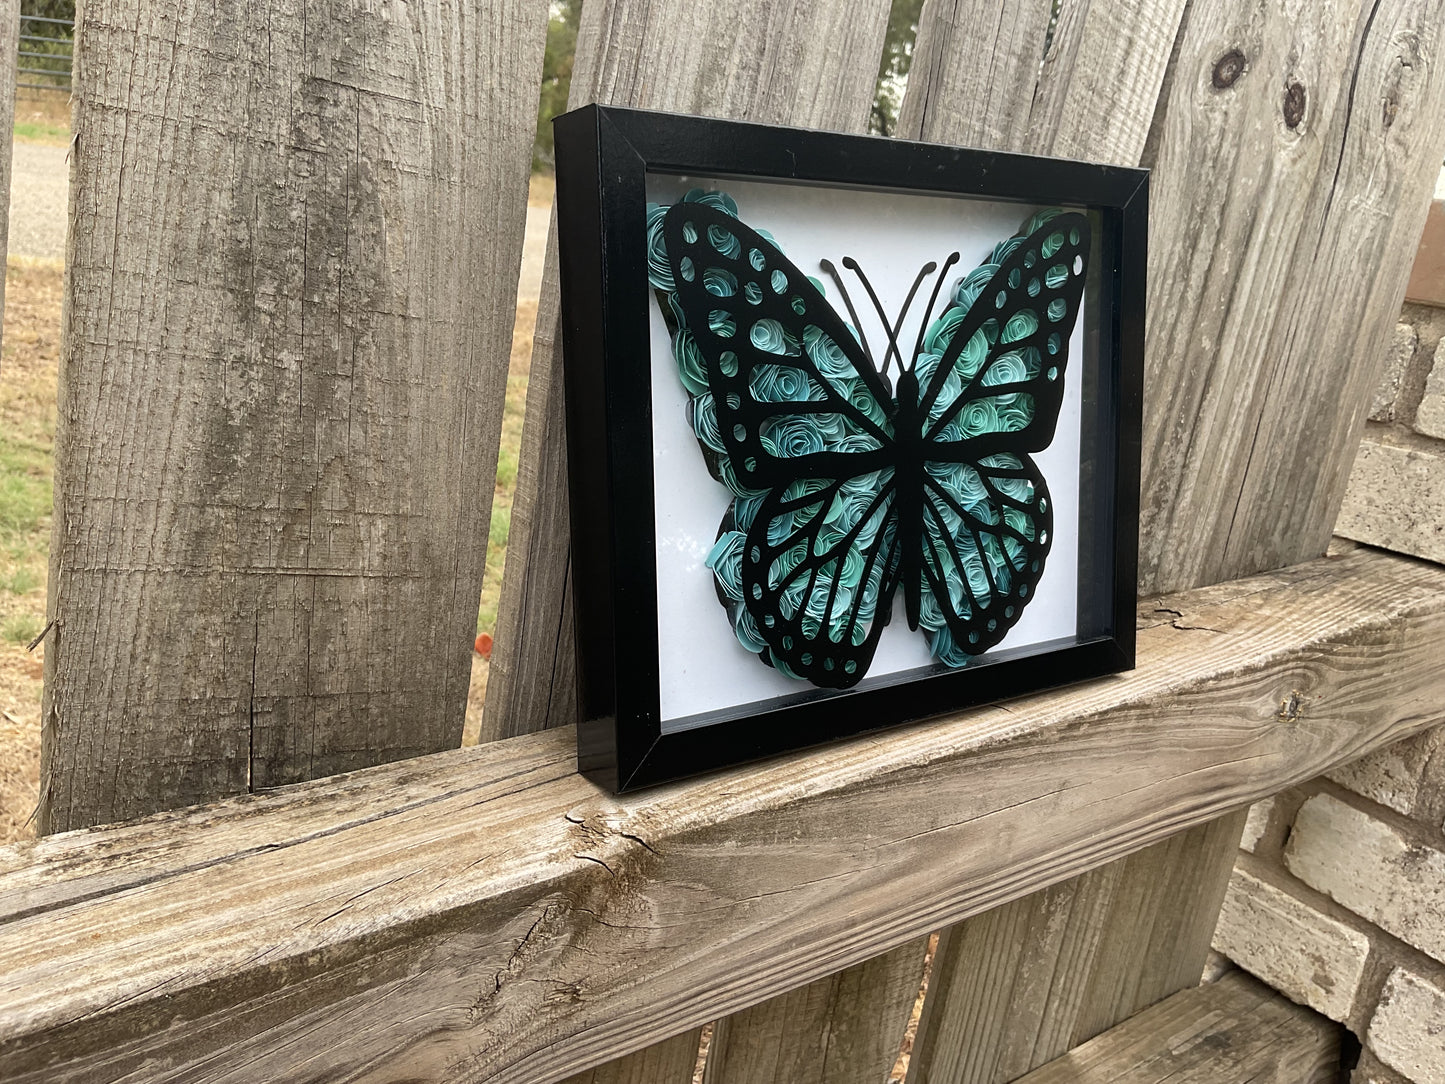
(1236, 1029)
(490, 915)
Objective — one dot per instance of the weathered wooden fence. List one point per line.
(294, 241)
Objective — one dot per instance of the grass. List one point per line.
(506, 481)
(20, 628)
(28, 369)
(42, 116)
(40, 132)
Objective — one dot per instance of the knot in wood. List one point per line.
(1228, 69)
(1290, 707)
(1295, 100)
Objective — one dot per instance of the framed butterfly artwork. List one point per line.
(852, 431)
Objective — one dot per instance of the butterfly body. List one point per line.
(847, 485)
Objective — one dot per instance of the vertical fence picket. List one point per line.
(1292, 187)
(844, 1029)
(809, 64)
(1024, 983)
(294, 244)
(672, 1061)
(1225, 330)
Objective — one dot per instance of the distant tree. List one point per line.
(556, 76)
(56, 47)
(49, 9)
(893, 65)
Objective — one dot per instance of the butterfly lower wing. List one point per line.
(992, 367)
(793, 391)
(987, 528)
(813, 573)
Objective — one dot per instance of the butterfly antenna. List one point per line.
(923, 273)
(852, 265)
(923, 324)
(832, 272)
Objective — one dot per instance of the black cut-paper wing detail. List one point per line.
(991, 379)
(794, 392)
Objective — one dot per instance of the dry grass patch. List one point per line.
(42, 116)
(28, 368)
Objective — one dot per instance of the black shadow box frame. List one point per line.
(603, 157)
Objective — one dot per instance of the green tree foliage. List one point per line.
(556, 76)
(893, 65)
(56, 46)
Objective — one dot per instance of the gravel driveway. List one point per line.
(39, 185)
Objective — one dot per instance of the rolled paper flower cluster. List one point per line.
(843, 520)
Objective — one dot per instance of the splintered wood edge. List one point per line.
(498, 917)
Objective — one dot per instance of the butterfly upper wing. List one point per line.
(995, 372)
(796, 421)
(991, 394)
(794, 392)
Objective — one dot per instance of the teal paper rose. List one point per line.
(688, 356)
(826, 354)
(791, 437)
(726, 561)
(659, 272)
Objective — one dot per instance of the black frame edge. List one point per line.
(604, 150)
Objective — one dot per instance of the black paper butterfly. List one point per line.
(844, 489)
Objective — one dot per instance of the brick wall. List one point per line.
(1338, 897)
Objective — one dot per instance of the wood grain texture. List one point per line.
(975, 65)
(1025, 983)
(1093, 97)
(812, 64)
(672, 1061)
(843, 1029)
(1022, 985)
(294, 242)
(515, 924)
(1294, 152)
(1236, 1029)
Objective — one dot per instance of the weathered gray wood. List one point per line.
(1239, 156)
(672, 1061)
(843, 1029)
(975, 63)
(9, 60)
(1093, 97)
(522, 926)
(1294, 153)
(1236, 1029)
(1020, 986)
(295, 235)
(1026, 982)
(810, 64)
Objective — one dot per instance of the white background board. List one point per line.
(702, 667)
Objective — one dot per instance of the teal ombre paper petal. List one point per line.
(726, 561)
(688, 356)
